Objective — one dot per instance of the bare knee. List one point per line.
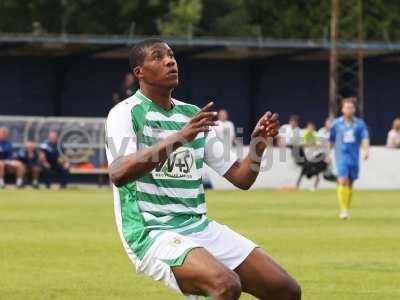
(290, 289)
(294, 290)
(225, 284)
(344, 181)
(286, 288)
(19, 166)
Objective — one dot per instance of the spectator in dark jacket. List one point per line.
(128, 88)
(51, 161)
(7, 160)
(29, 156)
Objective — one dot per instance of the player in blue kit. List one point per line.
(347, 134)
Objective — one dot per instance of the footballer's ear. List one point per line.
(137, 71)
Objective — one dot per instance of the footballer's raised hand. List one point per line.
(199, 123)
(267, 126)
(271, 125)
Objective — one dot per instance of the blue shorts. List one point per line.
(347, 171)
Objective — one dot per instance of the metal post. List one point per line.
(360, 59)
(333, 70)
(346, 74)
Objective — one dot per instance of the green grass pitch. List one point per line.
(64, 244)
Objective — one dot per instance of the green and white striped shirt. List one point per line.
(171, 196)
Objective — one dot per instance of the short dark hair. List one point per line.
(352, 100)
(138, 52)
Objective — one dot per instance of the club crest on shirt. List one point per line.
(176, 241)
(181, 165)
(349, 136)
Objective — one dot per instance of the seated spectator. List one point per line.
(313, 157)
(290, 134)
(225, 129)
(7, 161)
(51, 161)
(393, 138)
(30, 158)
(309, 136)
(290, 137)
(324, 132)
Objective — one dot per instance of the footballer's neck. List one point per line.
(159, 95)
(348, 119)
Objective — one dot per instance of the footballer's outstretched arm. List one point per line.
(243, 174)
(130, 167)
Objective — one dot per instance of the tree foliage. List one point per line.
(182, 19)
(255, 18)
(382, 20)
(228, 17)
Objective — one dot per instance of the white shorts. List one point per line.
(170, 249)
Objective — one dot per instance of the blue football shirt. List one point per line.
(346, 138)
